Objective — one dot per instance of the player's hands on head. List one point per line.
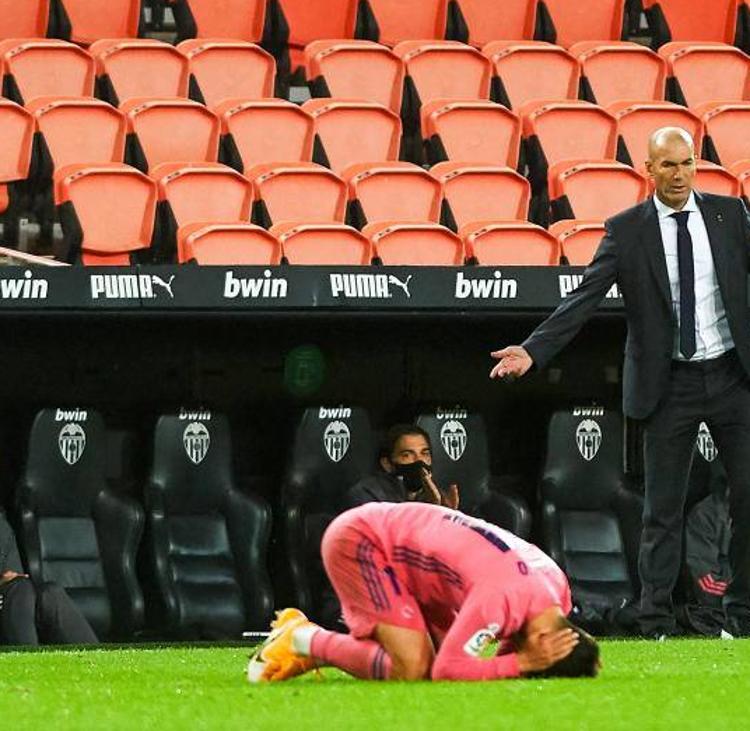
(514, 361)
(542, 650)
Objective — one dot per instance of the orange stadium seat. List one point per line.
(227, 244)
(86, 21)
(704, 72)
(347, 132)
(198, 192)
(129, 69)
(741, 170)
(578, 239)
(297, 192)
(636, 121)
(266, 130)
(525, 71)
(691, 20)
(511, 20)
(713, 178)
(333, 244)
(725, 125)
(481, 193)
(471, 131)
(221, 70)
(27, 19)
(568, 21)
(45, 67)
(229, 19)
(170, 130)
(590, 189)
(107, 213)
(415, 244)
(620, 71)
(392, 191)
(510, 243)
(392, 21)
(16, 143)
(355, 70)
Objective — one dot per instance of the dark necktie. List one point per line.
(687, 284)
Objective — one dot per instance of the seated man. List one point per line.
(412, 578)
(29, 613)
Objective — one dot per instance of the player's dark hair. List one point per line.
(582, 662)
(388, 442)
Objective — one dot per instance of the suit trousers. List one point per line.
(716, 391)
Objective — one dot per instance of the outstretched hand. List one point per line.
(543, 650)
(514, 362)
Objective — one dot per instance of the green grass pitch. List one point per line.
(679, 684)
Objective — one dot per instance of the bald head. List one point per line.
(667, 136)
(671, 165)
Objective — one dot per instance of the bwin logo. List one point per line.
(129, 286)
(26, 288)
(340, 412)
(336, 440)
(71, 415)
(588, 438)
(196, 441)
(72, 442)
(496, 288)
(457, 412)
(185, 415)
(266, 287)
(706, 444)
(453, 438)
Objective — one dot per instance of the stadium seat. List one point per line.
(297, 192)
(594, 190)
(481, 193)
(264, 131)
(207, 539)
(233, 19)
(615, 72)
(564, 22)
(725, 124)
(636, 121)
(415, 244)
(130, 69)
(331, 449)
(712, 178)
(227, 244)
(584, 507)
(691, 20)
(460, 455)
(355, 70)
(221, 70)
(705, 72)
(391, 21)
(392, 191)
(16, 143)
(741, 170)
(73, 529)
(511, 20)
(330, 244)
(169, 130)
(510, 243)
(86, 21)
(29, 19)
(107, 213)
(347, 132)
(45, 67)
(525, 71)
(471, 132)
(579, 240)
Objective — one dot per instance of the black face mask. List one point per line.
(411, 473)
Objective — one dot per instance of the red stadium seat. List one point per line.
(86, 21)
(472, 132)
(705, 72)
(526, 71)
(348, 132)
(107, 213)
(481, 193)
(620, 71)
(741, 170)
(636, 121)
(691, 20)
(725, 126)
(578, 239)
(227, 244)
(331, 244)
(299, 192)
(229, 19)
(510, 243)
(27, 19)
(264, 130)
(129, 69)
(221, 70)
(16, 142)
(170, 130)
(45, 67)
(510, 20)
(415, 244)
(583, 20)
(712, 178)
(392, 191)
(198, 192)
(392, 21)
(355, 70)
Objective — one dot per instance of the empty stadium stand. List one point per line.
(510, 243)
(323, 243)
(482, 22)
(392, 21)
(16, 143)
(227, 244)
(237, 19)
(565, 23)
(726, 140)
(693, 20)
(415, 244)
(24, 20)
(714, 178)
(83, 21)
(578, 239)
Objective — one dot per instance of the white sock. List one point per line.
(302, 639)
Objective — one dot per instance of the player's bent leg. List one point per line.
(410, 651)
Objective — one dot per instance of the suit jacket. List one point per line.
(632, 255)
(9, 558)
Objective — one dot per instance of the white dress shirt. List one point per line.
(712, 336)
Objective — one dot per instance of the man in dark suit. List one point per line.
(680, 260)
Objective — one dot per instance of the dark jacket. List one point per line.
(378, 488)
(9, 558)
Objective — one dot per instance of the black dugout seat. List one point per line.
(460, 454)
(332, 448)
(207, 540)
(74, 531)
